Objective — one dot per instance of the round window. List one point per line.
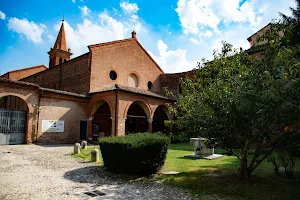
(113, 75)
(133, 80)
(149, 85)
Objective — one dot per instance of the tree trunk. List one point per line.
(244, 174)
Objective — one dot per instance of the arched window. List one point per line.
(133, 80)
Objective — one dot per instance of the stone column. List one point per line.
(120, 126)
(90, 128)
(150, 125)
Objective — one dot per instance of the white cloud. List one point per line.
(73, 1)
(2, 15)
(85, 11)
(90, 32)
(103, 28)
(129, 8)
(173, 60)
(206, 33)
(194, 15)
(31, 30)
(197, 15)
(195, 41)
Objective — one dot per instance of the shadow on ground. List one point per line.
(98, 175)
(227, 185)
(54, 145)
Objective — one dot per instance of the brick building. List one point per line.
(113, 89)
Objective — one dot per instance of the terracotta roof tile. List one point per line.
(19, 82)
(132, 90)
(44, 89)
(63, 92)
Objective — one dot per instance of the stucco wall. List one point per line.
(71, 111)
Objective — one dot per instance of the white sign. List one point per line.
(53, 126)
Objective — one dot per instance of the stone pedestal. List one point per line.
(76, 148)
(95, 155)
(201, 151)
(84, 144)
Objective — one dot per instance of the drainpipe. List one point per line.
(38, 116)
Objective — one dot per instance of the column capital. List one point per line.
(150, 120)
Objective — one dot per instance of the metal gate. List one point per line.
(12, 126)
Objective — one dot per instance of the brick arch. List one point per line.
(93, 106)
(165, 109)
(144, 105)
(30, 112)
(30, 109)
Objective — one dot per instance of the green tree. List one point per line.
(293, 20)
(249, 106)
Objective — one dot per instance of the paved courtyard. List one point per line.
(49, 172)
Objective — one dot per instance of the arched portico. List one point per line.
(160, 115)
(101, 119)
(137, 116)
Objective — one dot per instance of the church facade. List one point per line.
(114, 89)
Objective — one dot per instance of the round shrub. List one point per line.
(141, 153)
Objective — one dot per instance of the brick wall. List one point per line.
(124, 57)
(22, 73)
(57, 107)
(71, 76)
(255, 36)
(171, 81)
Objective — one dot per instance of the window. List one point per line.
(133, 80)
(149, 85)
(113, 75)
(60, 60)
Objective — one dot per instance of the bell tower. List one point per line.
(59, 53)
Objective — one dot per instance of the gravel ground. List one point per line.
(49, 172)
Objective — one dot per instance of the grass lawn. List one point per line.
(265, 184)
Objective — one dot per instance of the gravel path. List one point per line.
(49, 172)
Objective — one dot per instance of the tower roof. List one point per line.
(61, 42)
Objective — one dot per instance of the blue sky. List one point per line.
(177, 33)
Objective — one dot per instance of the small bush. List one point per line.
(141, 153)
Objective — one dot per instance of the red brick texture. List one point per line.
(22, 73)
(124, 57)
(71, 76)
(171, 81)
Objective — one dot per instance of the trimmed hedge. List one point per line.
(141, 153)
